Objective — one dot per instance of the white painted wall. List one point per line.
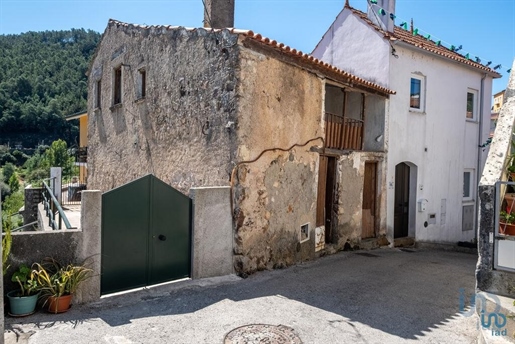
(358, 47)
(439, 140)
(443, 130)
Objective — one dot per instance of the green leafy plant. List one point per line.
(58, 280)
(506, 217)
(26, 279)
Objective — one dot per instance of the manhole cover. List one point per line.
(259, 333)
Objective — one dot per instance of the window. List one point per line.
(468, 191)
(142, 84)
(416, 101)
(98, 93)
(117, 92)
(471, 104)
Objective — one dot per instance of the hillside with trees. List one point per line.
(42, 79)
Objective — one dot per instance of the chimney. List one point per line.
(384, 21)
(219, 14)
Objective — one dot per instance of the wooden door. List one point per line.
(401, 216)
(368, 229)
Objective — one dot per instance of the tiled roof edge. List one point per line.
(249, 34)
(444, 52)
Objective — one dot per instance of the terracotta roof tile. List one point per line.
(423, 43)
(282, 48)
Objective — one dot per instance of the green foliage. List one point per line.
(58, 280)
(7, 158)
(7, 171)
(42, 79)
(506, 217)
(57, 156)
(14, 184)
(20, 157)
(27, 280)
(6, 241)
(5, 190)
(13, 203)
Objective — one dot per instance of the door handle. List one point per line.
(161, 237)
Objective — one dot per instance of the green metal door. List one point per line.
(146, 235)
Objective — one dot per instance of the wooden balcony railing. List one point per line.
(342, 132)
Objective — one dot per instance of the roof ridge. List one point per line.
(283, 48)
(441, 50)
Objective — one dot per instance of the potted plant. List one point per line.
(507, 223)
(59, 283)
(23, 301)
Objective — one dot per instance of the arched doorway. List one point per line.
(402, 201)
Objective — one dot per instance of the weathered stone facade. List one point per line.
(181, 130)
(499, 281)
(219, 104)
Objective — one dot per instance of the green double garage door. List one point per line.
(146, 235)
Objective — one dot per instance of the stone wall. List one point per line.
(487, 278)
(276, 194)
(33, 247)
(182, 131)
(33, 196)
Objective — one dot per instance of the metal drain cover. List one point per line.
(260, 333)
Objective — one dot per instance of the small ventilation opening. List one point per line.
(304, 232)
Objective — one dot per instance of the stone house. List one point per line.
(436, 122)
(301, 143)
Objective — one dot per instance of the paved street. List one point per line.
(379, 296)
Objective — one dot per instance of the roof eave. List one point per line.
(489, 72)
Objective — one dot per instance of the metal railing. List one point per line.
(53, 209)
(342, 132)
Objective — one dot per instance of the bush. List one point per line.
(5, 190)
(38, 175)
(7, 171)
(7, 157)
(14, 184)
(20, 157)
(13, 203)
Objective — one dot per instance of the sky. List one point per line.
(484, 28)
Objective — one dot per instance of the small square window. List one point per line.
(98, 99)
(117, 91)
(417, 91)
(471, 104)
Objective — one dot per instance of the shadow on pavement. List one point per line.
(401, 293)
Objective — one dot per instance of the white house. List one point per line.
(436, 121)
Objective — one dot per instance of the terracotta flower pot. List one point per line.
(59, 304)
(506, 228)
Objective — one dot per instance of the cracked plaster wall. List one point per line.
(351, 173)
(276, 194)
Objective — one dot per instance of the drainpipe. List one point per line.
(479, 153)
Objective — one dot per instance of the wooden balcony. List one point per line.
(343, 133)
